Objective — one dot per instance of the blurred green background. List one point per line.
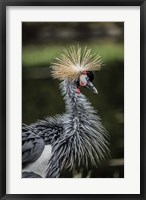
(41, 43)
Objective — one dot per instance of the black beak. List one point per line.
(91, 87)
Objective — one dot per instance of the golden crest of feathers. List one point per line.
(73, 61)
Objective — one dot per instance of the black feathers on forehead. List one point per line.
(90, 75)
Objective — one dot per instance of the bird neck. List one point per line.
(75, 102)
(83, 138)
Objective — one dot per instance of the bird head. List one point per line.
(85, 80)
(77, 65)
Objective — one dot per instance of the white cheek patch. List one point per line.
(83, 80)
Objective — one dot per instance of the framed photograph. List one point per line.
(72, 100)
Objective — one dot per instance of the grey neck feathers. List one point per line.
(76, 103)
(83, 141)
(84, 126)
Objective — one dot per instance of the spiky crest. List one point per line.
(73, 61)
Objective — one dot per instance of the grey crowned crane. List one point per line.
(74, 139)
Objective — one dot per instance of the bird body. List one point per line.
(74, 139)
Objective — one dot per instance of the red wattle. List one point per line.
(78, 90)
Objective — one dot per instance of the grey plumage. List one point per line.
(83, 138)
(32, 146)
(77, 137)
(30, 175)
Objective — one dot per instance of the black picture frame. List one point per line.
(3, 6)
